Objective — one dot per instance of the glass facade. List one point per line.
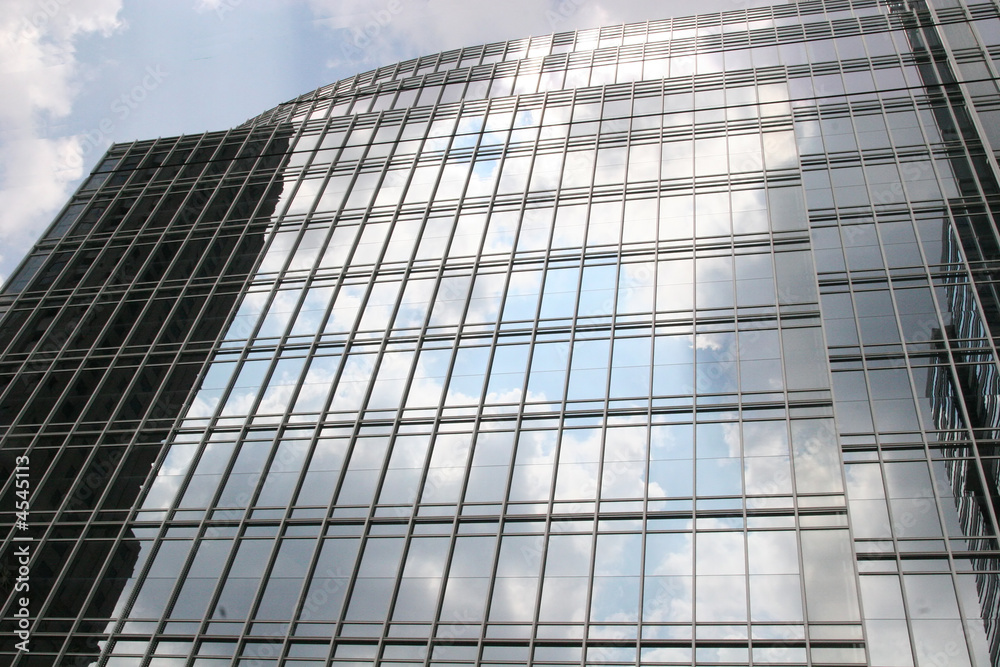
(668, 343)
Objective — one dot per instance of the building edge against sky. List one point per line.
(666, 343)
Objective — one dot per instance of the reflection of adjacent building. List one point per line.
(964, 384)
(963, 387)
(103, 339)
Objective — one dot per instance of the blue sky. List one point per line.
(79, 75)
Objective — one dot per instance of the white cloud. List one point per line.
(202, 6)
(39, 74)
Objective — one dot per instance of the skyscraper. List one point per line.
(668, 343)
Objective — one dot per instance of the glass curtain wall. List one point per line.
(668, 343)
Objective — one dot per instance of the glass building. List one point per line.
(667, 343)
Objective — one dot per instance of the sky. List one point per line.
(79, 75)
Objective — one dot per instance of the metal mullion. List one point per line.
(380, 355)
(59, 575)
(643, 546)
(60, 353)
(531, 344)
(77, 246)
(113, 362)
(401, 568)
(655, 289)
(613, 328)
(27, 306)
(973, 293)
(543, 557)
(268, 568)
(894, 538)
(969, 429)
(220, 227)
(564, 402)
(311, 354)
(546, 263)
(362, 538)
(855, 573)
(76, 373)
(158, 284)
(239, 438)
(363, 541)
(101, 573)
(174, 363)
(591, 573)
(436, 620)
(308, 578)
(950, 66)
(141, 578)
(397, 419)
(281, 345)
(476, 422)
(213, 599)
(476, 263)
(241, 359)
(354, 430)
(349, 344)
(492, 575)
(392, 438)
(745, 533)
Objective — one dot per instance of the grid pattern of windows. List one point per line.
(669, 343)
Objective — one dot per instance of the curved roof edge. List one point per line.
(385, 73)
